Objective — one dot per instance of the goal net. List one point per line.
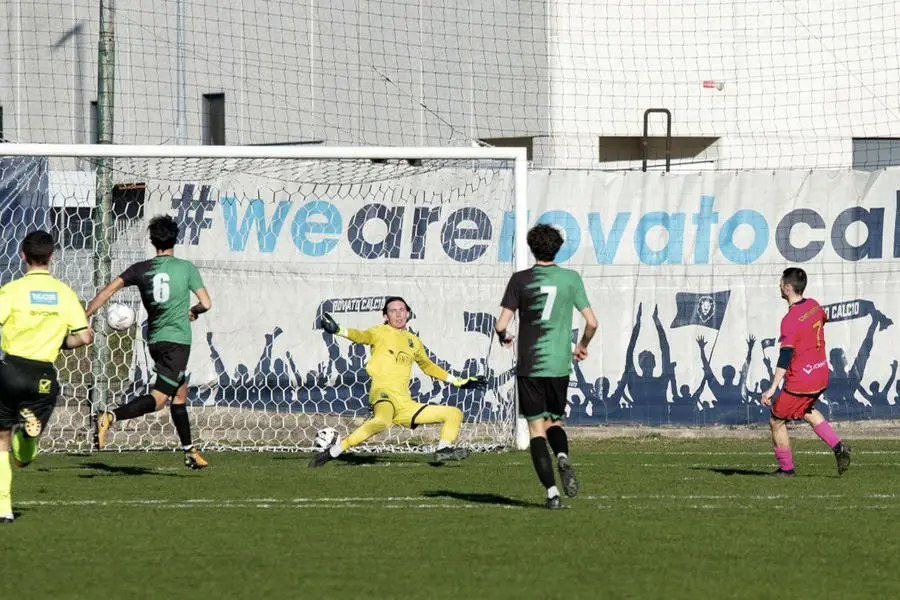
(280, 237)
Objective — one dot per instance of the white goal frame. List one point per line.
(517, 155)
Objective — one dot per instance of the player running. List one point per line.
(803, 367)
(165, 284)
(40, 315)
(394, 350)
(545, 296)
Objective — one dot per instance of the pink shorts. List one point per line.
(790, 406)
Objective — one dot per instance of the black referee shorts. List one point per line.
(27, 384)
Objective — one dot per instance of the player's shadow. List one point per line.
(352, 459)
(117, 470)
(734, 471)
(496, 499)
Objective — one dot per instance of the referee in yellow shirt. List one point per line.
(40, 315)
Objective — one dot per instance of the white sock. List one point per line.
(444, 444)
(335, 451)
(552, 492)
(561, 456)
(187, 448)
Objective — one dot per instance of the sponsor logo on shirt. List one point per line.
(815, 367)
(38, 297)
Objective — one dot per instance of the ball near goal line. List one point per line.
(119, 316)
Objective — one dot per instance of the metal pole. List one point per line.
(102, 259)
(181, 76)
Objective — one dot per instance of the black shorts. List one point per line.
(541, 397)
(27, 384)
(171, 362)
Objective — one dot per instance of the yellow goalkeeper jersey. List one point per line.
(393, 353)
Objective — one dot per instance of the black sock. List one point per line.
(556, 435)
(136, 408)
(182, 424)
(542, 461)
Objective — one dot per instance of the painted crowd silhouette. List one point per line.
(646, 390)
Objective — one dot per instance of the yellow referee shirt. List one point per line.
(393, 353)
(37, 312)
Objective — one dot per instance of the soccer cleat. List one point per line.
(553, 503)
(567, 474)
(7, 518)
(104, 422)
(320, 459)
(783, 473)
(24, 449)
(194, 460)
(33, 425)
(842, 456)
(451, 453)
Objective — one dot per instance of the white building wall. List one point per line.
(800, 79)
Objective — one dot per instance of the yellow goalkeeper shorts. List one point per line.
(405, 409)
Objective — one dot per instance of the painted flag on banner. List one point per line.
(359, 304)
(767, 343)
(855, 309)
(707, 310)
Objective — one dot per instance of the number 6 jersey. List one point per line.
(165, 283)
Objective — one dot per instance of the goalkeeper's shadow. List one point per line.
(354, 459)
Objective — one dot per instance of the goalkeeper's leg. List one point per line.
(451, 419)
(383, 414)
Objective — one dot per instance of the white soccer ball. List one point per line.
(326, 438)
(119, 316)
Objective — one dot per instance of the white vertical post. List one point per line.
(521, 262)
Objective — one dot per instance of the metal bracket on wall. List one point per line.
(645, 141)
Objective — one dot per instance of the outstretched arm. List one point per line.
(746, 367)
(768, 363)
(218, 364)
(667, 367)
(865, 394)
(354, 335)
(696, 395)
(707, 369)
(298, 376)
(893, 376)
(620, 391)
(672, 381)
(859, 365)
(265, 359)
(632, 342)
(104, 295)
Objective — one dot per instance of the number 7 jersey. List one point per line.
(165, 284)
(544, 296)
(803, 329)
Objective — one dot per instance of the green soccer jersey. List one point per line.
(165, 284)
(545, 295)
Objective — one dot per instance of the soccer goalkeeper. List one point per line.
(394, 349)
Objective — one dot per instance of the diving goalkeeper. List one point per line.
(394, 349)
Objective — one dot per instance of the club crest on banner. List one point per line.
(706, 308)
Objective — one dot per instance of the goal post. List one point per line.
(282, 234)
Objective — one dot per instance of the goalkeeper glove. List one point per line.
(469, 383)
(330, 325)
